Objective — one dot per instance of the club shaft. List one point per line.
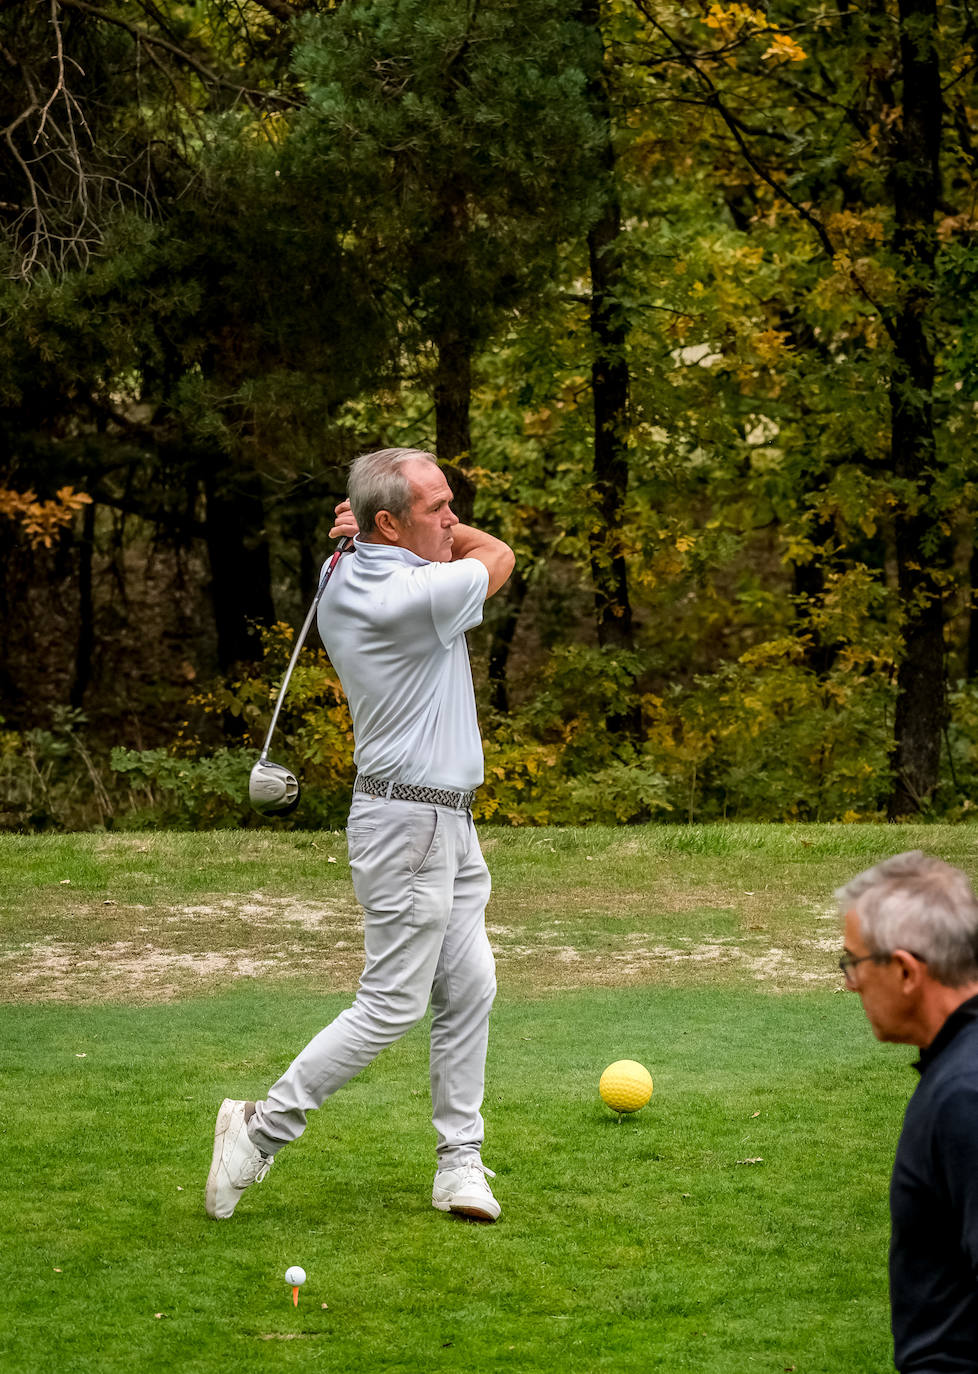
(341, 546)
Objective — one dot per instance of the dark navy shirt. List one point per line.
(934, 1208)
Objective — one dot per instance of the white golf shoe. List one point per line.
(464, 1190)
(236, 1163)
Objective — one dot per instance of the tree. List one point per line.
(460, 140)
(836, 170)
(922, 543)
(155, 245)
(609, 373)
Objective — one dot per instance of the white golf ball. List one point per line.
(296, 1275)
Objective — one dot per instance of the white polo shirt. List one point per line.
(394, 627)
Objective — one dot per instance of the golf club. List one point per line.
(272, 788)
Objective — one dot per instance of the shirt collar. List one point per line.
(959, 1018)
(386, 553)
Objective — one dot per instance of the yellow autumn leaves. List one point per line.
(734, 23)
(41, 520)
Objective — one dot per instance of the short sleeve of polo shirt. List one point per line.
(457, 593)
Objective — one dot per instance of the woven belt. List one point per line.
(404, 791)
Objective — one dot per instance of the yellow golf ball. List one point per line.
(625, 1085)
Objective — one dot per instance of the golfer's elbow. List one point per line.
(501, 567)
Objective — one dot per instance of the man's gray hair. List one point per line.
(920, 904)
(377, 482)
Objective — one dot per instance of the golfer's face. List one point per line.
(877, 984)
(427, 531)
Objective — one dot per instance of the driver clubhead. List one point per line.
(272, 789)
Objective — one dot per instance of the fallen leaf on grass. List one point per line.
(753, 1114)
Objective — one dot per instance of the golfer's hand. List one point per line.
(345, 523)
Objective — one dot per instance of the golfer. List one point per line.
(393, 620)
(911, 953)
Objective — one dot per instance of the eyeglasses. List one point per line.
(847, 963)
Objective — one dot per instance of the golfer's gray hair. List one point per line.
(377, 482)
(920, 904)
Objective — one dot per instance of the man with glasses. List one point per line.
(911, 953)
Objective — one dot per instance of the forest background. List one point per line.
(683, 294)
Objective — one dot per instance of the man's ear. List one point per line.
(386, 525)
(913, 971)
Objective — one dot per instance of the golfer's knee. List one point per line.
(396, 1012)
(487, 993)
(477, 991)
(484, 975)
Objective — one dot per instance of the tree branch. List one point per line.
(211, 77)
(282, 9)
(715, 101)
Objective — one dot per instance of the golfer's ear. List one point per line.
(912, 970)
(385, 523)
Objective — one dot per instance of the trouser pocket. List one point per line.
(422, 838)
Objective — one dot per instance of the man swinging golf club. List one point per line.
(393, 620)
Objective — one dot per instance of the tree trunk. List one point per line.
(972, 661)
(502, 641)
(85, 645)
(923, 550)
(237, 546)
(453, 332)
(453, 397)
(610, 385)
(609, 381)
(463, 492)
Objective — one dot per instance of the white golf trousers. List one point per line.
(419, 874)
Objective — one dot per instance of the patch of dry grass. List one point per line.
(145, 918)
(150, 917)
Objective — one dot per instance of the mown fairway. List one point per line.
(738, 1223)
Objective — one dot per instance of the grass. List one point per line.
(647, 1245)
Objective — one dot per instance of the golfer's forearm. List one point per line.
(497, 556)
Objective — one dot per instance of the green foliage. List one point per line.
(769, 738)
(401, 179)
(171, 792)
(472, 130)
(49, 779)
(957, 799)
(314, 734)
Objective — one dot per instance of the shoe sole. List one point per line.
(473, 1213)
(220, 1131)
(465, 1209)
